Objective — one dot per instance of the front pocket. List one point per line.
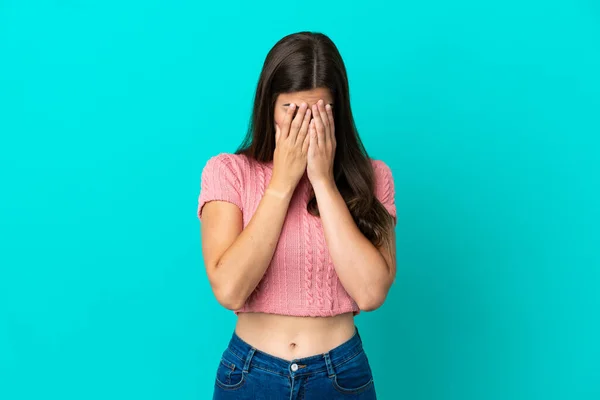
(357, 390)
(353, 376)
(229, 375)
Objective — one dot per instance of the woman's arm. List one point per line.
(235, 258)
(365, 271)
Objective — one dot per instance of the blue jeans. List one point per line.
(247, 373)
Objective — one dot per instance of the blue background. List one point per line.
(486, 111)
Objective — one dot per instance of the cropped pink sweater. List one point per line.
(301, 278)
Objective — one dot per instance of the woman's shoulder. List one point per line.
(238, 163)
(384, 184)
(381, 168)
(230, 158)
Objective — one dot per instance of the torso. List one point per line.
(290, 337)
(295, 335)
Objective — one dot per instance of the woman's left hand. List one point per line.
(321, 150)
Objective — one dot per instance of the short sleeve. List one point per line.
(384, 186)
(220, 182)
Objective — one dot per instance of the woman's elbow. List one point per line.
(231, 304)
(372, 301)
(229, 298)
(227, 294)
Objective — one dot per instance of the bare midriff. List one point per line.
(290, 337)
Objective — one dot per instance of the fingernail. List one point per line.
(292, 106)
(328, 107)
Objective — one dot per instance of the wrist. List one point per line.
(324, 185)
(281, 190)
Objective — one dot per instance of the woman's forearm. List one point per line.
(242, 266)
(360, 266)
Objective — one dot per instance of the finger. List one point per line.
(312, 132)
(285, 129)
(297, 122)
(319, 127)
(323, 113)
(306, 143)
(304, 128)
(325, 120)
(329, 110)
(312, 138)
(277, 132)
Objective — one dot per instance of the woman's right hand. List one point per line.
(291, 150)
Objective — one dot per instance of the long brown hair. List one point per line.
(304, 61)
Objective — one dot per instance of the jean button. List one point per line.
(294, 367)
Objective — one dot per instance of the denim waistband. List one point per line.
(254, 358)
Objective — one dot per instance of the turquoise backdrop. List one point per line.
(488, 113)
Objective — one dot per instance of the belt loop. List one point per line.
(248, 359)
(330, 370)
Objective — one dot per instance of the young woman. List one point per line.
(298, 234)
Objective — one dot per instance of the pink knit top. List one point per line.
(301, 278)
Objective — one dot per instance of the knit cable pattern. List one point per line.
(321, 261)
(308, 248)
(329, 281)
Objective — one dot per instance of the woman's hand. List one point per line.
(291, 149)
(321, 150)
